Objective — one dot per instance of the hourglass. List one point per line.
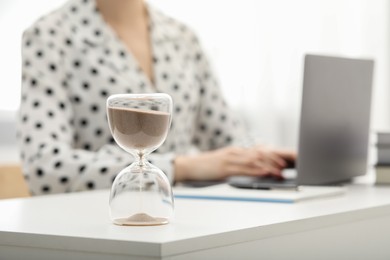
(141, 194)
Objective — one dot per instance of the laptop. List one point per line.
(334, 124)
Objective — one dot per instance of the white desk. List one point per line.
(76, 226)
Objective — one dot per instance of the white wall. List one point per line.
(257, 48)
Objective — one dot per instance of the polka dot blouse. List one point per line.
(73, 61)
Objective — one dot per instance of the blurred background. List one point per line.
(256, 48)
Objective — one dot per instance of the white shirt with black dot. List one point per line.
(72, 61)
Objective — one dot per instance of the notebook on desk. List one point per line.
(334, 124)
(229, 193)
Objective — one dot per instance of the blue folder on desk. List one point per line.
(228, 193)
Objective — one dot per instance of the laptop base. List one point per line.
(264, 183)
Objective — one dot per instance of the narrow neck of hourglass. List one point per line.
(141, 158)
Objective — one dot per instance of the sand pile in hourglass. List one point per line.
(137, 129)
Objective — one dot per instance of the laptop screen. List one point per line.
(335, 119)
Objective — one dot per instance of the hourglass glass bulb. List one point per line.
(141, 193)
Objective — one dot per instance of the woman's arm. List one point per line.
(219, 134)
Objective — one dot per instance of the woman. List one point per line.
(78, 55)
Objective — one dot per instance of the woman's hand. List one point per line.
(225, 162)
(287, 155)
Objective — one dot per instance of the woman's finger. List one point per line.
(273, 159)
(286, 154)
